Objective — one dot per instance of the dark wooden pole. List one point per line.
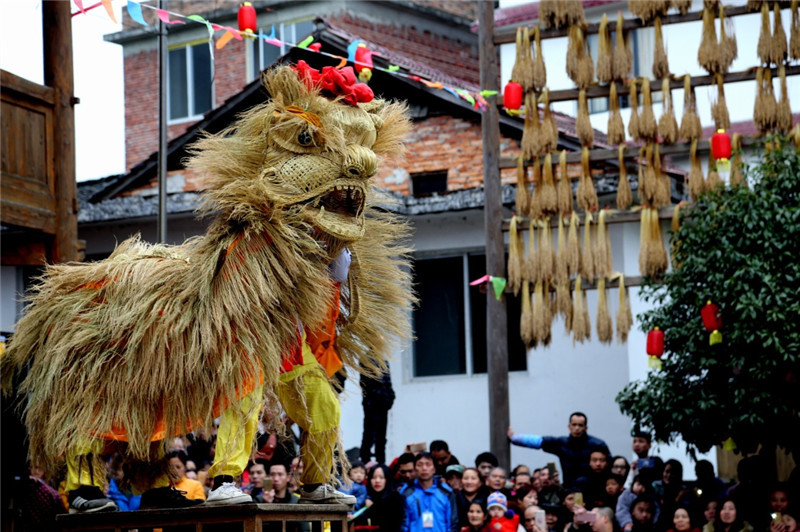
(161, 231)
(496, 318)
(57, 43)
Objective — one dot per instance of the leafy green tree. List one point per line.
(738, 247)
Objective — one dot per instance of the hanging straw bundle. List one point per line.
(650, 188)
(683, 6)
(708, 55)
(623, 57)
(737, 173)
(648, 9)
(667, 124)
(561, 13)
(728, 49)
(547, 256)
(522, 198)
(573, 247)
(605, 71)
(602, 247)
(539, 70)
(535, 205)
(532, 261)
(583, 126)
(764, 110)
(564, 186)
(580, 67)
(640, 184)
(522, 72)
(697, 184)
(713, 180)
(633, 122)
(690, 121)
(784, 110)
(532, 129)
(542, 317)
(675, 243)
(586, 194)
(765, 38)
(719, 111)
(526, 318)
(547, 12)
(515, 256)
(624, 194)
(656, 251)
(660, 63)
(794, 31)
(564, 304)
(549, 128)
(616, 129)
(648, 129)
(624, 314)
(587, 256)
(644, 240)
(663, 192)
(549, 197)
(777, 47)
(711, 5)
(562, 268)
(605, 331)
(580, 332)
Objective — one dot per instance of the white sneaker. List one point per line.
(228, 493)
(325, 494)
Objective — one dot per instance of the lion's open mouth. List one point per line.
(341, 211)
(344, 199)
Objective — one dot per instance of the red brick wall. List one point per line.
(141, 97)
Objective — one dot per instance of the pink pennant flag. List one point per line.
(164, 17)
(236, 33)
(481, 280)
(109, 10)
(79, 3)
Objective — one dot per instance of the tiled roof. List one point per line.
(529, 12)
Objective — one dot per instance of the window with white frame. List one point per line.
(264, 54)
(190, 92)
(450, 319)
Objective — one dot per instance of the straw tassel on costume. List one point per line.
(624, 194)
(616, 129)
(605, 332)
(667, 124)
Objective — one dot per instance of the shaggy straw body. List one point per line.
(539, 69)
(616, 129)
(660, 64)
(690, 122)
(623, 57)
(624, 194)
(605, 71)
(170, 334)
(667, 124)
(605, 331)
(648, 129)
(522, 199)
(564, 186)
(624, 314)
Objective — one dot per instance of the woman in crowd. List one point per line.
(384, 506)
(710, 511)
(472, 488)
(682, 521)
(728, 519)
(477, 517)
(620, 466)
(522, 498)
(670, 490)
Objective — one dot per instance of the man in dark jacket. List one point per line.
(377, 400)
(573, 451)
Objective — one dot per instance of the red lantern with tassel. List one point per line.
(655, 347)
(247, 18)
(512, 95)
(712, 321)
(721, 149)
(363, 63)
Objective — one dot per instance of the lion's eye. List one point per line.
(304, 138)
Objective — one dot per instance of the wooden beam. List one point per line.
(614, 217)
(508, 34)
(496, 316)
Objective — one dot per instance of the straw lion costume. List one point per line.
(158, 340)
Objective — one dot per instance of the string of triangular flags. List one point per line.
(476, 99)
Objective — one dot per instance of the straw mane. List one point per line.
(163, 337)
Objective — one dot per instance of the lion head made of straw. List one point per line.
(310, 151)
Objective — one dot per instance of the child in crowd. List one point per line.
(499, 518)
(358, 488)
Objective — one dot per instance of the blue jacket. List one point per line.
(572, 452)
(359, 491)
(438, 499)
(126, 502)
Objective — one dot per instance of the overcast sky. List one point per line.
(100, 116)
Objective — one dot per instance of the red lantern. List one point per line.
(721, 145)
(655, 342)
(363, 62)
(247, 18)
(512, 95)
(712, 321)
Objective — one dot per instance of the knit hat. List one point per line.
(497, 499)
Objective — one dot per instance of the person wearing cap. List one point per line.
(430, 505)
(452, 475)
(500, 520)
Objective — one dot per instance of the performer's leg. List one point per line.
(86, 478)
(238, 426)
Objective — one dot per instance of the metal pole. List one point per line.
(496, 317)
(162, 128)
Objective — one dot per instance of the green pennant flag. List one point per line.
(499, 285)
